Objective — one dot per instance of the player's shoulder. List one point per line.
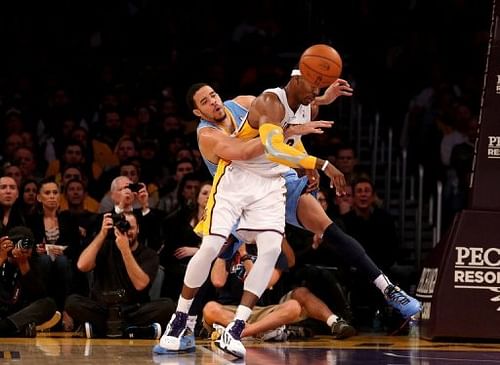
(208, 129)
(244, 100)
(267, 100)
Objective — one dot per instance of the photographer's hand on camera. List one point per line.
(122, 241)
(21, 257)
(107, 224)
(142, 197)
(6, 246)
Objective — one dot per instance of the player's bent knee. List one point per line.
(301, 294)
(293, 309)
(211, 311)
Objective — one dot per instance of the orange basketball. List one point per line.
(321, 65)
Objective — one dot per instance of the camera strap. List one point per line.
(10, 277)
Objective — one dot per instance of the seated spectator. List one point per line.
(74, 154)
(14, 171)
(52, 142)
(96, 151)
(123, 271)
(125, 150)
(124, 195)
(25, 304)
(110, 126)
(131, 168)
(347, 162)
(72, 172)
(168, 202)
(375, 230)
(74, 195)
(25, 159)
(27, 202)
(152, 171)
(295, 306)
(58, 242)
(11, 143)
(10, 212)
(180, 241)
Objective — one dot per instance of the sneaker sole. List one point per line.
(50, 323)
(238, 355)
(412, 313)
(157, 328)
(88, 330)
(345, 333)
(158, 350)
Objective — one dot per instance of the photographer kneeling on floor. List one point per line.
(24, 303)
(123, 270)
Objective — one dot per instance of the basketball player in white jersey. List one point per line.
(302, 209)
(302, 94)
(252, 192)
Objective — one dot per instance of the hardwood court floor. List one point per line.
(61, 348)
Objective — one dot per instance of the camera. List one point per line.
(120, 222)
(135, 187)
(22, 242)
(114, 322)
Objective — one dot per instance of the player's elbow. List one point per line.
(271, 152)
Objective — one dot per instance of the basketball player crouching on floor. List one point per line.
(266, 322)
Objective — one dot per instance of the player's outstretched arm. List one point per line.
(228, 148)
(340, 87)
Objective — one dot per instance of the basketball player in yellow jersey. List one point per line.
(243, 190)
(273, 110)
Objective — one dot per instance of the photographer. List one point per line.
(124, 193)
(123, 270)
(24, 303)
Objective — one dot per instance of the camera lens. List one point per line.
(120, 222)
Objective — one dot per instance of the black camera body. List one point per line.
(114, 322)
(22, 242)
(120, 222)
(135, 187)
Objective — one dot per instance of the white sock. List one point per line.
(243, 313)
(191, 322)
(331, 320)
(382, 282)
(183, 305)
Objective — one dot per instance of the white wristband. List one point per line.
(325, 164)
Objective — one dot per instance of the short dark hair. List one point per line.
(75, 181)
(190, 93)
(344, 146)
(362, 179)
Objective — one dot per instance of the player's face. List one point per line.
(209, 103)
(306, 91)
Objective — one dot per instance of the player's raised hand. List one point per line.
(340, 87)
(314, 127)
